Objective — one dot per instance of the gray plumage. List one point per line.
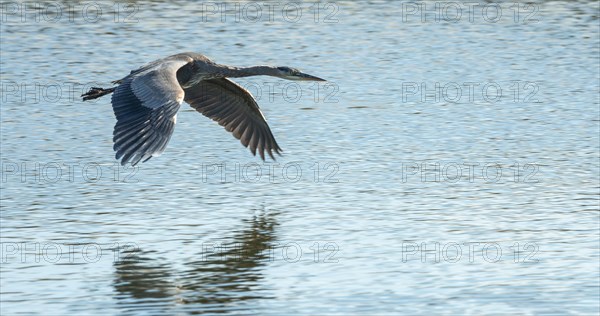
(146, 102)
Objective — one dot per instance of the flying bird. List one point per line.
(146, 102)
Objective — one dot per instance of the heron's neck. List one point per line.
(237, 72)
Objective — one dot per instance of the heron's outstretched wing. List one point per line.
(234, 108)
(146, 104)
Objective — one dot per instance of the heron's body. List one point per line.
(146, 102)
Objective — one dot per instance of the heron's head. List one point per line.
(295, 74)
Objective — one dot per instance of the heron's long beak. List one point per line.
(305, 77)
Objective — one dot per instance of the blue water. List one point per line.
(480, 197)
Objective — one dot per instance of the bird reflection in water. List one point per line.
(229, 274)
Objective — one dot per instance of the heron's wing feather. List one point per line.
(146, 104)
(157, 84)
(234, 108)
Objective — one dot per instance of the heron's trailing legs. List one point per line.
(95, 93)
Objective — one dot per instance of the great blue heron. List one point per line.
(146, 102)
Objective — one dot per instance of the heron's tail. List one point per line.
(95, 93)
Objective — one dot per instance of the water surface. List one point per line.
(384, 202)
